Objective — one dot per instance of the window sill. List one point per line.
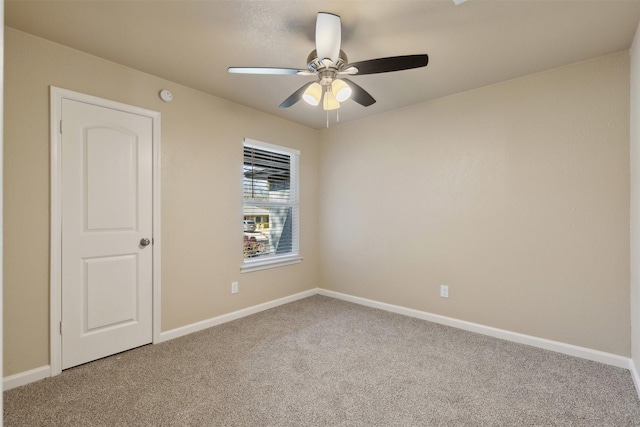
(263, 264)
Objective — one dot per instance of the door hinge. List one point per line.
(60, 328)
(60, 126)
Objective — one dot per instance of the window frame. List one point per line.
(293, 257)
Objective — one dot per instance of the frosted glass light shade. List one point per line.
(313, 94)
(330, 102)
(341, 90)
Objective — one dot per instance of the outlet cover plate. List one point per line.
(444, 291)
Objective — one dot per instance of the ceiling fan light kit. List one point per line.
(328, 63)
(341, 90)
(331, 93)
(329, 102)
(313, 94)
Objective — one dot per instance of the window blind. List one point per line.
(270, 193)
(267, 175)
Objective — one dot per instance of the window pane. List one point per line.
(270, 210)
(272, 234)
(267, 175)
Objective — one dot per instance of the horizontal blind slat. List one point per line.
(270, 194)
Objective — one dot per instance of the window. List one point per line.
(270, 207)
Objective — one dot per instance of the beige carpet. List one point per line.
(325, 362)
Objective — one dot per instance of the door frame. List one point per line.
(55, 267)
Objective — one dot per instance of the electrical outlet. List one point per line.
(444, 291)
(234, 287)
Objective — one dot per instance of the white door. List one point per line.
(107, 211)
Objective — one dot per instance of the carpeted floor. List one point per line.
(326, 362)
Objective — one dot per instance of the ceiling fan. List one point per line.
(329, 64)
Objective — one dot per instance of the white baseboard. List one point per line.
(36, 374)
(33, 375)
(559, 347)
(634, 376)
(26, 377)
(204, 324)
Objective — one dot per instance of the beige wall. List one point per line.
(201, 193)
(515, 195)
(634, 139)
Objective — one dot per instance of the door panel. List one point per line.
(107, 208)
(111, 286)
(111, 169)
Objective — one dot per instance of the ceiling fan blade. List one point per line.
(359, 95)
(295, 96)
(328, 36)
(393, 63)
(264, 70)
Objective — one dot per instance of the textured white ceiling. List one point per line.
(475, 44)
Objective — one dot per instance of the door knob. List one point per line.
(145, 242)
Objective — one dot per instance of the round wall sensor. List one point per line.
(165, 95)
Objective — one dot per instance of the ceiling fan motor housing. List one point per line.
(320, 66)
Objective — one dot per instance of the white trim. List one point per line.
(292, 257)
(254, 143)
(559, 347)
(55, 229)
(55, 308)
(37, 374)
(634, 376)
(26, 377)
(157, 230)
(263, 264)
(215, 321)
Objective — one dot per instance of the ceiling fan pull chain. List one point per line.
(327, 118)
